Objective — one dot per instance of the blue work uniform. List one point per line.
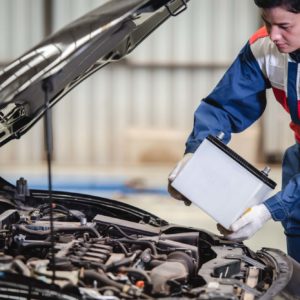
(239, 99)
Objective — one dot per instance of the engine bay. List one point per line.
(105, 249)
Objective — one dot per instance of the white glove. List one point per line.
(249, 223)
(174, 193)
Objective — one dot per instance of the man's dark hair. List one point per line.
(290, 5)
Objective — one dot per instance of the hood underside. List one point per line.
(47, 72)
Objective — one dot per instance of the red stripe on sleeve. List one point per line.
(280, 96)
(298, 107)
(260, 33)
(296, 129)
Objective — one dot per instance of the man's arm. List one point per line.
(236, 102)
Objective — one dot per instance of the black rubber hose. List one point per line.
(36, 244)
(92, 275)
(127, 254)
(120, 231)
(142, 242)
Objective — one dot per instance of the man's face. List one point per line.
(283, 27)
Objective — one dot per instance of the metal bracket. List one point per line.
(175, 13)
(247, 259)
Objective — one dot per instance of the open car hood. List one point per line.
(43, 75)
(102, 248)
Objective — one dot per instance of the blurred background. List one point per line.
(120, 133)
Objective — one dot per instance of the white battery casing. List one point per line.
(220, 185)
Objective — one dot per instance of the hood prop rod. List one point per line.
(48, 134)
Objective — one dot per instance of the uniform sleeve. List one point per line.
(281, 204)
(236, 102)
(285, 205)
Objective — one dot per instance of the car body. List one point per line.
(62, 245)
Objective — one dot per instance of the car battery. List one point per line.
(221, 182)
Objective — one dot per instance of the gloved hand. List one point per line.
(248, 224)
(174, 193)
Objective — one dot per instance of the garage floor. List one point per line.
(144, 187)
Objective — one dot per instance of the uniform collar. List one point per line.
(295, 56)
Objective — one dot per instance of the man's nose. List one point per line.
(274, 34)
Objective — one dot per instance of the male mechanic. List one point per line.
(270, 59)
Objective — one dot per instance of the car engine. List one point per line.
(106, 249)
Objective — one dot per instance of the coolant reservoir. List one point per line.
(221, 182)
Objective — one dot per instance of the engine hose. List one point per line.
(87, 264)
(20, 266)
(127, 254)
(155, 262)
(36, 244)
(141, 242)
(119, 263)
(120, 231)
(92, 275)
(60, 229)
